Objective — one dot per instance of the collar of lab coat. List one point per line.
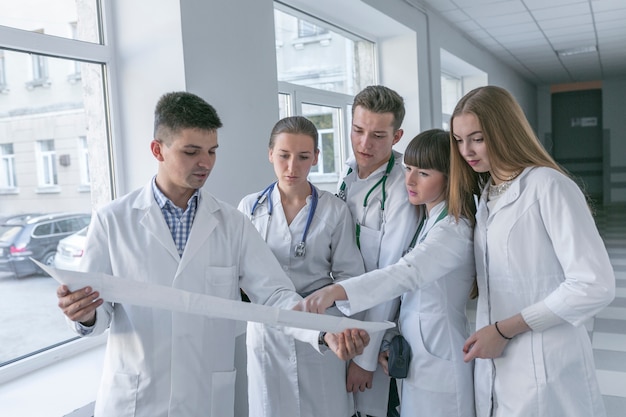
(204, 223)
(505, 199)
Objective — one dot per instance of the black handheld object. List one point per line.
(399, 357)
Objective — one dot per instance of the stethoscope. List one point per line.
(266, 194)
(442, 215)
(382, 182)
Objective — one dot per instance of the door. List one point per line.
(577, 136)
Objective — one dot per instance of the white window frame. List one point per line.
(47, 173)
(343, 150)
(7, 165)
(83, 164)
(30, 42)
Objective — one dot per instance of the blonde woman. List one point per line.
(542, 268)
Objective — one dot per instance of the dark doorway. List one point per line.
(577, 137)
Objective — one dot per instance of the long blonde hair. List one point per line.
(510, 141)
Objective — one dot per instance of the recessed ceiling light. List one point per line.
(578, 50)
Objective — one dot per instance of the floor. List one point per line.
(607, 329)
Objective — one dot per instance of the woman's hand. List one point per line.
(321, 299)
(485, 343)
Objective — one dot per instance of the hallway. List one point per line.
(608, 329)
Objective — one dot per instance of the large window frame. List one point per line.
(296, 97)
(93, 53)
(292, 97)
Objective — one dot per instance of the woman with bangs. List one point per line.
(542, 268)
(434, 279)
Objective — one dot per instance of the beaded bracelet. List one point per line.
(507, 338)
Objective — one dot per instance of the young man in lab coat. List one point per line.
(172, 232)
(374, 190)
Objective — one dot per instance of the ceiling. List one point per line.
(531, 35)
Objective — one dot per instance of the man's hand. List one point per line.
(79, 305)
(321, 299)
(348, 343)
(358, 378)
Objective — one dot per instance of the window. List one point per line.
(39, 70)
(306, 29)
(83, 161)
(45, 137)
(46, 163)
(320, 69)
(328, 123)
(74, 75)
(4, 88)
(7, 165)
(327, 58)
(457, 78)
(54, 16)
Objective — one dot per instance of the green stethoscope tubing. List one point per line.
(382, 182)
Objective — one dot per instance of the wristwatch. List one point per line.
(320, 339)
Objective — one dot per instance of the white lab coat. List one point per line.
(297, 380)
(435, 280)
(540, 243)
(383, 239)
(161, 363)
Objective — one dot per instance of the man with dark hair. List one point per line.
(171, 232)
(374, 190)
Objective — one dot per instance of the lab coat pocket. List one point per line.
(429, 369)
(119, 397)
(369, 241)
(221, 281)
(223, 394)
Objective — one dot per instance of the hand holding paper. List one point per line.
(128, 291)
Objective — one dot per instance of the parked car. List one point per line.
(35, 237)
(5, 217)
(70, 250)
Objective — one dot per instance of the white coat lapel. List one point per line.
(153, 222)
(203, 225)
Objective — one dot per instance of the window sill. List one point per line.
(62, 380)
(9, 190)
(53, 189)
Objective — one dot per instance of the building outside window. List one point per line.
(46, 138)
(320, 69)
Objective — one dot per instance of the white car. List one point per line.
(70, 251)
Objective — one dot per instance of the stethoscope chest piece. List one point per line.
(300, 250)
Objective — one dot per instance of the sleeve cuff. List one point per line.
(539, 317)
(83, 330)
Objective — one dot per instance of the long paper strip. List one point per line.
(128, 291)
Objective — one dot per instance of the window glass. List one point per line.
(326, 119)
(320, 69)
(457, 79)
(74, 19)
(314, 54)
(54, 143)
(7, 168)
